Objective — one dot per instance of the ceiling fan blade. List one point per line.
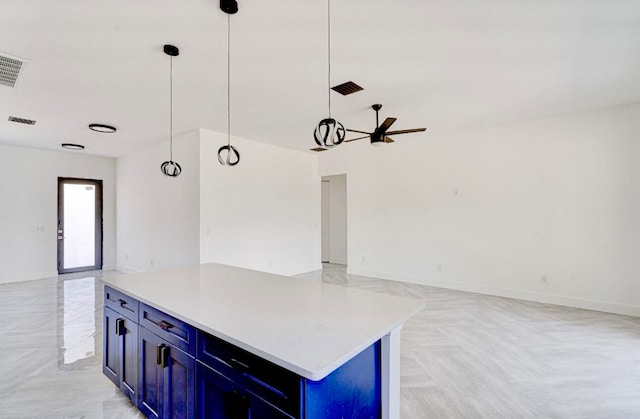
(388, 140)
(386, 124)
(406, 131)
(359, 132)
(355, 139)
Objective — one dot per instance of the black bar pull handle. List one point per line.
(240, 364)
(164, 354)
(159, 354)
(165, 325)
(120, 327)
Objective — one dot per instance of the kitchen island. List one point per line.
(219, 341)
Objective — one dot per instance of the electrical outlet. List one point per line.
(439, 266)
(151, 263)
(364, 259)
(543, 278)
(126, 256)
(456, 192)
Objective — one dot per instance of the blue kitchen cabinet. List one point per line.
(170, 369)
(120, 345)
(232, 383)
(220, 398)
(166, 378)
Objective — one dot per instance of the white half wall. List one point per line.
(29, 191)
(158, 216)
(262, 214)
(546, 210)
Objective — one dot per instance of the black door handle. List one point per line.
(162, 355)
(159, 354)
(120, 327)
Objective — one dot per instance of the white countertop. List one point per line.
(305, 326)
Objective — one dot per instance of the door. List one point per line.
(120, 352)
(79, 225)
(111, 347)
(326, 221)
(150, 374)
(179, 385)
(218, 397)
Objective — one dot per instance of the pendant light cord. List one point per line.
(228, 80)
(171, 109)
(329, 52)
(228, 149)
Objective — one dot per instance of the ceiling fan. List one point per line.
(380, 134)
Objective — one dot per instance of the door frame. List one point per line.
(98, 224)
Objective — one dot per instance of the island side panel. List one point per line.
(390, 364)
(353, 390)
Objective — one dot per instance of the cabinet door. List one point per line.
(110, 345)
(128, 358)
(150, 374)
(260, 409)
(217, 397)
(179, 384)
(166, 378)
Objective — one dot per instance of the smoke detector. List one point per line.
(11, 70)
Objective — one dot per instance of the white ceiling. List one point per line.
(442, 64)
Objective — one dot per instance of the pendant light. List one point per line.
(329, 132)
(228, 155)
(171, 168)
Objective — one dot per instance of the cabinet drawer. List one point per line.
(121, 303)
(174, 331)
(264, 379)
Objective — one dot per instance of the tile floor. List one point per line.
(464, 356)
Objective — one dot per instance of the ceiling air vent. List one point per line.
(318, 149)
(22, 120)
(347, 88)
(11, 69)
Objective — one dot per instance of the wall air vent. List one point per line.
(11, 69)
(347, 88)
(22, 120)
(318, 149)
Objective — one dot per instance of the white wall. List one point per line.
(546, 210)
(337, 218)
(158, 216)
(29, 199)
(262, 214)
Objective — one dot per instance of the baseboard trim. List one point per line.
(338, 261)
(32, 276)
(575, 302)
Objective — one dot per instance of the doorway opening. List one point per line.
(79, 225)
(334, 219)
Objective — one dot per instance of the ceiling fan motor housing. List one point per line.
(377, 138)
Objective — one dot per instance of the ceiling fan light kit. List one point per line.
(171, 168)
(228, 155)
